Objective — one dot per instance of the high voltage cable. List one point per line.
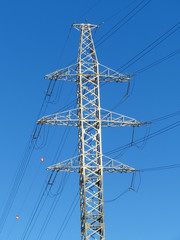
(68, 216)
(34, 216)
(165, 117)
(62, 185)
(31, 153)
(20, 173)
(25, 160)
(154, 134)
(31, 222)
(172, 54)
(15, 187)
(26, 157)
(151, 169)
(36, 208)
(58, 152)
(120, 10)
(55, 202)
(53, 206)
(150, 47)
(120, 195)
(160, 168)
(111, 32)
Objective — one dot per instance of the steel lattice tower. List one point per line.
(89, 117)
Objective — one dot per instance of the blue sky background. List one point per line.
(34, 42)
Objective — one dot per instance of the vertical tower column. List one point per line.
(89, 134)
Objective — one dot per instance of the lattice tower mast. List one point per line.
(89, 118)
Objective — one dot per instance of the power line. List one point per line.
(120, 195)
(152, 135)
(172, 54)
(152, 169)
(150, 47)
(160, 168)
(120, 10)
(53, 206)
(166, 117)
(68, 216)
(39, 204)
(111, 32)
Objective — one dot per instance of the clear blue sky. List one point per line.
(34, 42)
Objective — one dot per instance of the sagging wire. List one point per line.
(130, 188)
(45, 135)
(132, 140)
(145, 139)
(153, 134)
(148, 128)
(57, 94)
(59, 190)
(129, 92)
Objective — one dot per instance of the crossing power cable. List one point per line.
(151, 46)
(68, 216)
(152, 135)
(151, 169)
(160, 168)
(52, 208)
(39, 204)
(119, 11)
(113, 30)
(55, 201)
(27, 156)
(34, 217)
(36, 211)
(172, 54)
(24, 161)
(110, 32)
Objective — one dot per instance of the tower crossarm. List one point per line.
(108, 119)
(66, 74)
(66, 118)
(109, 166)
(112, 119)
(105, 74)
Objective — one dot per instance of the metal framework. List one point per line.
(89, 118)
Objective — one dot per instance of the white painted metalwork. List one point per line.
(108, 119)
(89, 118)
(109, 165)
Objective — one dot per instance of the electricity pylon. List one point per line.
(89, 117)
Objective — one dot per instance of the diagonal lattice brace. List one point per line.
(109, 166)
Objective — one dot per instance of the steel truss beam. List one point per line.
(89, 118)
(109, 165)
(108, 119)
